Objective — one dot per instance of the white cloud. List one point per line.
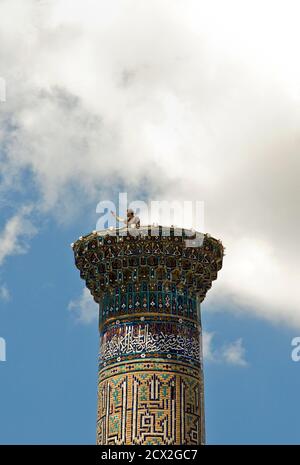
(184, 96)
(15, 234)
(4, 292)
(85, 308)
(232, 353)
(207, 345)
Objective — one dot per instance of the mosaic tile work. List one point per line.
(159, 403)
(149, 288)
(179, 340)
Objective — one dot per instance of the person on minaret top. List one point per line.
(132, 220)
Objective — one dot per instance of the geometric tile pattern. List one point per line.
(151, 407)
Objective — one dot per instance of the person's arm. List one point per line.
(122, 220)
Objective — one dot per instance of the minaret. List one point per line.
(149, 284)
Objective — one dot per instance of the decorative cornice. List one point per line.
(112, 259)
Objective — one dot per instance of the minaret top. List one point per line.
(172, 256)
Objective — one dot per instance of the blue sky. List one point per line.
(48, 383)
(165, 101)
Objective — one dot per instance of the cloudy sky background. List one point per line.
(164, 100)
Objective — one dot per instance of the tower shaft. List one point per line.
(149, 286)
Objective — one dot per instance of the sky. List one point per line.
(163, 100)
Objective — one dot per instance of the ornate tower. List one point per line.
(149, 284)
